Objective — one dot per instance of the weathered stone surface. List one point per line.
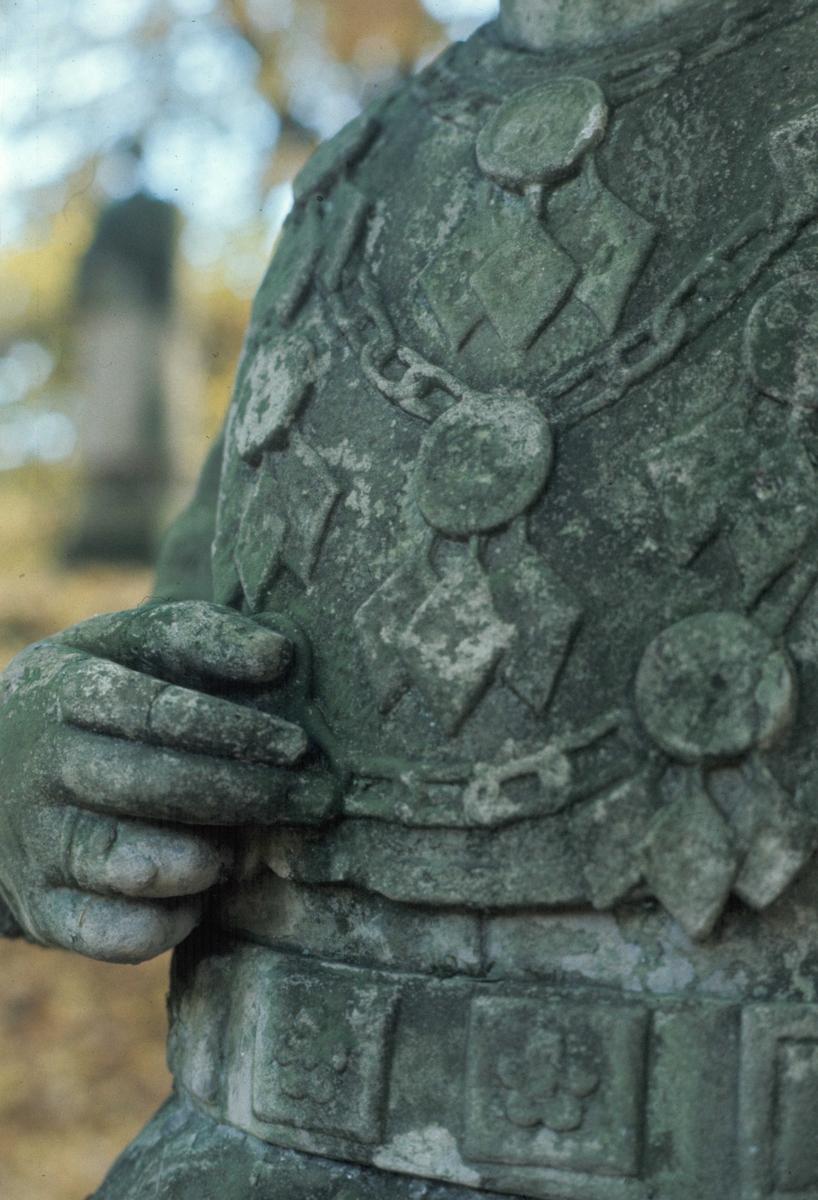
(527, 262)
(719, 476)
(610, 241)
(776, 837)
(778, 1059)
(320, 1053)
(275, 386)
(445, 867)
(611, 828)
(546, 26)
(499, 254)
(260, 541)
(378, 624)
(179, 1155)
(352, 926)
(545, 614)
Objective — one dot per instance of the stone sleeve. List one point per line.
(184, 570)
(9, 927)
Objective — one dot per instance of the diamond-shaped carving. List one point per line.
(609, 829)
(342, 228)
(448, 642)
(778, 516)
(261, 537)
(506, 263)
(691, 856)
(286, 514)
(453, 642)
(289, 277)
(695, 474)
(546, 615)
(334, 156)
(722, 474)
(607, 238)
(502, 264)
(523, 282)
(446, 279)
(775, 838)
(274, 388)
(378, 622)
(311, 493)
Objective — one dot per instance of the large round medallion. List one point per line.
(542, 134)
(481, 464)
(713, 687)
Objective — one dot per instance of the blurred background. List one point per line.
(147, 149)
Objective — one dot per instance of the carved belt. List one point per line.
(576, 1094)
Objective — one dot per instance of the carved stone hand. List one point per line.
(118, 762)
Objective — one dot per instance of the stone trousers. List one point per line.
(183, 1155)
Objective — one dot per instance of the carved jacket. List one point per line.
(522, 455)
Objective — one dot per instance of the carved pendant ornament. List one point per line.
(474, 604)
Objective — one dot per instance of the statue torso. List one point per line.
(484, 455)
(523, 446)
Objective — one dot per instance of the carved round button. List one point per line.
(713, 687)
(481, 464)
(541, 134)
(781, 342)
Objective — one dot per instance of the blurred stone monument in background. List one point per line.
(125, 297)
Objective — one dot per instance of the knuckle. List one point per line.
(103, 697)
(33, 671)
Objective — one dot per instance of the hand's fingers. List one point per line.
(112, 928)
(130, 779)
(189, 642)
(108, 856)
(101, 696)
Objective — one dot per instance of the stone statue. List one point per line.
(483, 743)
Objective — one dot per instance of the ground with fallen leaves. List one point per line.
(82, 1067)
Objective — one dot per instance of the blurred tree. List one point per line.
(226, 99)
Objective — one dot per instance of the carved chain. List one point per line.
(703, 296)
